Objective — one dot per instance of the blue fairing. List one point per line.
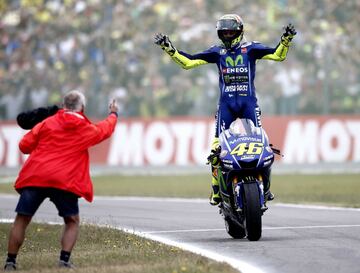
(244, 146)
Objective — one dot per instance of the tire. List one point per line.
(234, 230)
(252, 211)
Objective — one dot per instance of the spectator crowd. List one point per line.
(105, 49)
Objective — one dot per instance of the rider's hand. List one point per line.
(288, 34)
(214, 158)
(164, 42)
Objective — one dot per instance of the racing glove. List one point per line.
(288, 35)
(214, 157)
(164, 42)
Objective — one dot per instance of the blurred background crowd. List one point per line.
(105, 49)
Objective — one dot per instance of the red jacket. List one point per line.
(58, 148)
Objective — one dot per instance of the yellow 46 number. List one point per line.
(252, 148)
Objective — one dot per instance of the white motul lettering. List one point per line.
(354, 130)
(203, 137)
(12, 135)
(183, 132)
(126, 146)
(186, 142)
(334, 132)
(159, 144)
(2, 147)
(301, 142)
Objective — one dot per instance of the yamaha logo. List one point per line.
(223, 51)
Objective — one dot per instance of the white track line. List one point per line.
(317, 207)
(183, 230)
(264, 228)
(6, 220)
(313, 227)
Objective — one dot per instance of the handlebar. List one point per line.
(276, 151)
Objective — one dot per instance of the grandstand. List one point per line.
(104, 48)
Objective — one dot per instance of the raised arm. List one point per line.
(184, 60)
(282, 49)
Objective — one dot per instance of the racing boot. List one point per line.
(214, 160)
(215, 197)
(268, 195)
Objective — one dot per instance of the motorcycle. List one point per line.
(245, 155)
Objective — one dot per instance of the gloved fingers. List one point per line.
(167, 41)
(159, 38)
(217, 150)
(290, 30)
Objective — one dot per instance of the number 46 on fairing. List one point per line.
(252, 148)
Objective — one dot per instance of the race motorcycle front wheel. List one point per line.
(252, 211)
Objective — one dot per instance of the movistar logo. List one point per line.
(230, 61)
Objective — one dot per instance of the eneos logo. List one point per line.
(232, 70)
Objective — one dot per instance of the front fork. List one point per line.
(239, 192)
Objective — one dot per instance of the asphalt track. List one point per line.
(295, 239)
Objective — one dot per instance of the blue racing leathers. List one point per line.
(236, 77)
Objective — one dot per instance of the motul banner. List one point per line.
(315, 139)
(186, 141)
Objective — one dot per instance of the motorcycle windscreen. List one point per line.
(243, 127)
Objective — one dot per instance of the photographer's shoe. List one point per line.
(64, 264)
(10, 266)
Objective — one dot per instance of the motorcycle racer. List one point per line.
(236, 61)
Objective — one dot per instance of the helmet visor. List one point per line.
(228, 24)
(229, 35)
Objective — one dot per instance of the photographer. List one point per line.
(58, 168)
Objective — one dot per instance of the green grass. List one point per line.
(194, 186)
(338, 190)
(105, 250)
(334, 189)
